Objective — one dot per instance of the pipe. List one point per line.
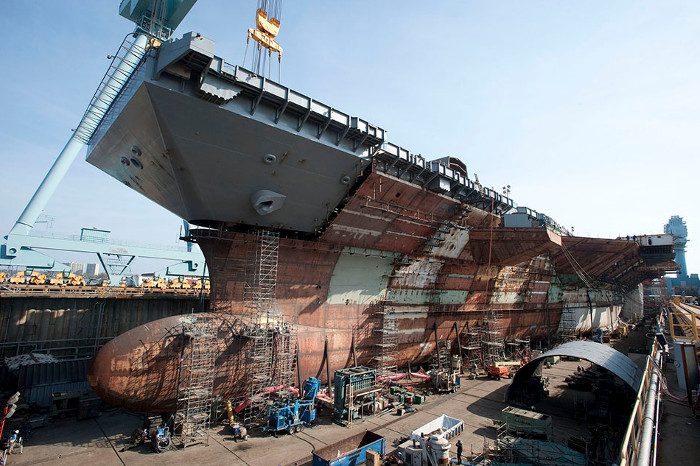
(436, 344)
(82, 134)
(459, 347)
(656, 423)
(650, 414)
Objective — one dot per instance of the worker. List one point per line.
(460, 448)
(15, 440)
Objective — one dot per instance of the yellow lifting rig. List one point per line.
(267, 26)
(265, 32)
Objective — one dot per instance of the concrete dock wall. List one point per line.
(76, 327)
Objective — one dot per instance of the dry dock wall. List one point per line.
(76, 327)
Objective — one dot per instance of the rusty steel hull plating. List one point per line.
(333, 293)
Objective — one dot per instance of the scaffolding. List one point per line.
(442, 355)
(569, 324)
(492, 338)
(271, 355)
(473, 350)
(195, 382)
(285, 355)
(503, 442)
(387, 345)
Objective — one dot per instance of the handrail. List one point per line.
(629, 449)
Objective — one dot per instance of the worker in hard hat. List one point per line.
(460, 449)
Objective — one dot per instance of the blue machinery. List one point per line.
(291, 416)
(155, 21)
(355, 393)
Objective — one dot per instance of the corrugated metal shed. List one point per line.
(38, 382)
(42, 395)
(597, 353)
(52, 372)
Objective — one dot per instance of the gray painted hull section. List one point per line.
(203, 162)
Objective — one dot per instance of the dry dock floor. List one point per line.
(101, 441)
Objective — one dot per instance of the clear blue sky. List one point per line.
(589, 110)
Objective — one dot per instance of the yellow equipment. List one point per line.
(57, 280)
(3, 276)
(199, 284)
(148, 282)
(162, 283)
(175, 283)
(75, 280)
(18, 278)
(266, 29)
(37, 278)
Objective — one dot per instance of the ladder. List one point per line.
(195, 383)
(387, 345)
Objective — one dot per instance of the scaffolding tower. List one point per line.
(285, 354)
(492, 338)
(473, 350)
(196, 380)
(569, 324)
(259, 296)
(503, 442)
(388, 341)
(442, 355)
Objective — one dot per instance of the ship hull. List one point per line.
(366, 228)
(334, 295)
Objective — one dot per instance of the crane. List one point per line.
(155, 21)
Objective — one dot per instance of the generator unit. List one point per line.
(355, 392)
(529, 424)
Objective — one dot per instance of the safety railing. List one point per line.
(57, 291)
(630, 445)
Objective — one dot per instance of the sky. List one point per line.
(590, 111)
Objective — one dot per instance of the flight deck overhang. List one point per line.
(512, 246)
(204, 139)
(599, 261)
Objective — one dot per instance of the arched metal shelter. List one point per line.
(597, 353)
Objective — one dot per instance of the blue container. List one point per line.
(353, 450)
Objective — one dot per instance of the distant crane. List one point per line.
(155, 21)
